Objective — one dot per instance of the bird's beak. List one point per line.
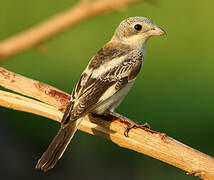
(156, 31)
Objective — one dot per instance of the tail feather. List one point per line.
(57, 146)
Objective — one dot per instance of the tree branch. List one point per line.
(32, 88)
(145, 141)
(52, 101)
(40, 33)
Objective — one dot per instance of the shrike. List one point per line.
(104, 83)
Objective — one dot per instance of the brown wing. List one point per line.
(89, 91)
(90, 97)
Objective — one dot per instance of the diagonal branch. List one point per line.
(50, 102)
(32, 88)
(40, 33)
(145, 141)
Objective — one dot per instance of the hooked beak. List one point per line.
(156, 31)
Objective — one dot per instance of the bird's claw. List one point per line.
(136, 125)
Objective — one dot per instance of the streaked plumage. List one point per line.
(104, 83)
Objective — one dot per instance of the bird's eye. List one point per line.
(138, 27)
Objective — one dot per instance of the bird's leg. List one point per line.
(131, 123)
(105, 116)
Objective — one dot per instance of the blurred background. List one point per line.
(174, 92)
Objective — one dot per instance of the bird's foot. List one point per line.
(134, 124)
(130, 123)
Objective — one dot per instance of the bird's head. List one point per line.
(135, 31)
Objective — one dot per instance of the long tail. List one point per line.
(57, 146)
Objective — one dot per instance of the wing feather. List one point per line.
(90, 89)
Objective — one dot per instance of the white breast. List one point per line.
(113, 101)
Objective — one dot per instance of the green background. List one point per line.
(174, 92)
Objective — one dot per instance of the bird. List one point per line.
(104, 83)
